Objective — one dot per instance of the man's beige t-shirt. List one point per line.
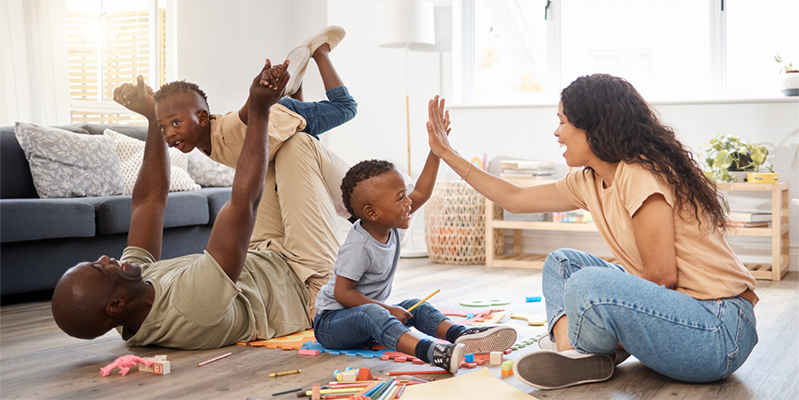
(197, 306)
(228, 133)
(706, 266)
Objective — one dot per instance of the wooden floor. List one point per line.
(38, 361)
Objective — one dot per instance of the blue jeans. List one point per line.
(672, 333)
(322, 116)
(356, 326)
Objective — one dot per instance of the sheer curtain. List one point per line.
(34, 76)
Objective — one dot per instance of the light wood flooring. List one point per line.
(38, 361)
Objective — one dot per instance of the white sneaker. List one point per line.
(298, 62)
(545, 343)
(330, 35)
(553, 370)
(485, 339)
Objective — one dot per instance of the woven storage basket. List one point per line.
(454, 224)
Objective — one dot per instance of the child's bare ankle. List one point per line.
(322, 51)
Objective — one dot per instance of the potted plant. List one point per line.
(729, 158)
(790, 82)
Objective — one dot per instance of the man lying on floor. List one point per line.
(225, 295)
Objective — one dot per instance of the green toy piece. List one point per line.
(485, 303)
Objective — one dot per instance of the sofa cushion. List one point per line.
(134, 131)
(182, 209)
(34, 219)
(217, 197)
(209, 173)
(131, 154)
(15, 175)
(67, 164)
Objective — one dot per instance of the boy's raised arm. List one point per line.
(230, 236)
(427, 179)
(152, 184)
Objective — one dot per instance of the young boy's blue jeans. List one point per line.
(322, 116)
(672, 333)
(356, 326)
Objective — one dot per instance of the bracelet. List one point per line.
(467, 172)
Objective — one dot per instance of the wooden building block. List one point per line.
(161, 368)
(496, 357)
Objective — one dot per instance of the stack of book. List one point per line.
(740, 219)
(524, 168)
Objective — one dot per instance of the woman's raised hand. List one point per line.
(438, 126)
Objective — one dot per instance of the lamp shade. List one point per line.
(409, 23)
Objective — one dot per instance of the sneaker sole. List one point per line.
(497, 339)
(551, 370)
(455, 360)
(298, 62)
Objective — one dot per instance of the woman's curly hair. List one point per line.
(176, 87)
(359, 173)
(620, 126)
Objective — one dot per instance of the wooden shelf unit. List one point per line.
(779, 231)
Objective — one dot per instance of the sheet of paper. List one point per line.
(477, 385)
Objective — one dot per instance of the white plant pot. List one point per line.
(790, 83)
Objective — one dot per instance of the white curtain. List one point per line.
(34, 76)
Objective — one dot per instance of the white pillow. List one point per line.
(67, 164)
(207, 172)
(131, 153)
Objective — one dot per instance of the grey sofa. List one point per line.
(40, 238)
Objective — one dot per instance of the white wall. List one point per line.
(222, 44)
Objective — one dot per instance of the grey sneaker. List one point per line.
(485, 339)
(553, 370)
(448, 356)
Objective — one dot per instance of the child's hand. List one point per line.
(137, 98)
(438, 126)
(264, 96)
(400, 313)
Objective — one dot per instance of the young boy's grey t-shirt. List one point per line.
(365, 260)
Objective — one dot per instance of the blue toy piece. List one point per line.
(533, 299)
(470, 315)
(469, 358)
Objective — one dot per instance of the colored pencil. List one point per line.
(366, 389)
(293, 371)
(287, 391)
(333, 391)
(417, 372)
(423, 300)
(400, 392)
(214, 359)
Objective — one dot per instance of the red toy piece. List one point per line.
(124, 363)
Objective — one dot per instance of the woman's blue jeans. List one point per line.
(356, 326)
(672, 333)
(322, 116)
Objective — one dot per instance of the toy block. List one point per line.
(306, 352)
(532, 299)
(470, 315)
(417, 361)
(507, 372)
(507, 351)
(469, 357)
(496, 357)
(400, 359)
(507, 365)
(532, 319)
(316, 394)
(146, 368)
(385, 357)
(162, 368)
(471, 365)
(364, 374)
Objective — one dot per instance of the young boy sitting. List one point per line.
(351, 309)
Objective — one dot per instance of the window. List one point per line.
(517, 51)
(110, 43)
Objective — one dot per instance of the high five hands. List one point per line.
(268, 87)
(136, 97)
(438, 126)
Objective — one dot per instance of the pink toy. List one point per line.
(124, 363)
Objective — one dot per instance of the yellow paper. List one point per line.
(477, 385)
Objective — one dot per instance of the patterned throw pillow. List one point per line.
(67, 164)
(131, 153)
(209, 173)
